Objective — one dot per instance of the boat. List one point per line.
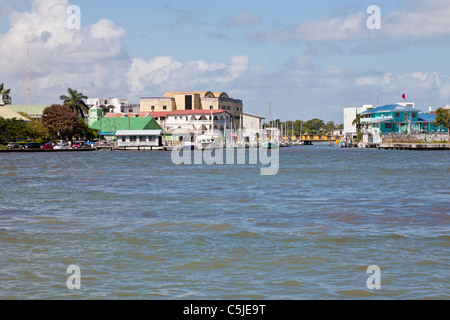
(343, 144)
(188, 145)
(269, 145)
(205, 142)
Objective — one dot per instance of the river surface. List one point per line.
(140, 227)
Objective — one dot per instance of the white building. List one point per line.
(109, 105)
(193, 120)
(349, 116)
(251, 122)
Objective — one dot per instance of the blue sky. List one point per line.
(309, 59)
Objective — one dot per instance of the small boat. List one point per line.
(269, 145)
(188, 145)
(205, 142)
(343, 144)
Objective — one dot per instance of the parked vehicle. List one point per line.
(47, 146)
(13, 145)
(78, 145)
(32, 145)
(61, 146)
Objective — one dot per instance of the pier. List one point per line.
(42, 150)
(308, 139)
(414, 146)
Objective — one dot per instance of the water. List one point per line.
(140, 227)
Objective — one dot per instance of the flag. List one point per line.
(404, 96)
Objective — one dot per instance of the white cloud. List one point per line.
(242, 19)
(329, 28)
(162, 74)
(413, 19)
(89, 59)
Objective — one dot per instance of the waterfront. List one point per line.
(140, 227)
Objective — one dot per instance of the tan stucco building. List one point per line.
(195, 100)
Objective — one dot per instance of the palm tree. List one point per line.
(4, 94)
(75, 101)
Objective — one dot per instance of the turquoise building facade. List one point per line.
(397, 119)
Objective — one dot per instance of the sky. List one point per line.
(308, 59)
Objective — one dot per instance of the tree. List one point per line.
(36, 126)
(443, 119)
(357, 123)
(313, 126)
(15, 130)
(61, 122)
(5, 94)
(75, 101)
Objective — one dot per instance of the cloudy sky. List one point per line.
(308, 58)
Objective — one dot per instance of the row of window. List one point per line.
(139, 138)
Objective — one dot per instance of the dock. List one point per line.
(414, 146)
(41, 150)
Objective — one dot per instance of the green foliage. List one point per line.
(14, 130)
(84, 132)
(313, 126)
(61, 122)
(443, 119)
(75, 101)
(357, 122)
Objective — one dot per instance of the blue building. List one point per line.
(397, 119)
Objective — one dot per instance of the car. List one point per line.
(13, 145)
(32, 145)
(61, 146)
(78, 145)
(47, 146)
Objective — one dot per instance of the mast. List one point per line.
(28, 72)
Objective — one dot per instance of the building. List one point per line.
(397, 119)
(196, 100)
(251, 122)
(350, 114)
(6, 113)
(128, 130)
(111, 105)
(34, 111)
(188, 123)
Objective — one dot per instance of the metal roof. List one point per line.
(112, 125)
(7, 113)
(391, 108)
(138, 132)
(427, 117)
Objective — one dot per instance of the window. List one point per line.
(124, 139)
(414, 115)
(388, 125)
(188, 102)
(164, 107)
(153, 108)
(133, 138)
(397, 114)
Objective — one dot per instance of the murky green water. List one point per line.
(140, 227)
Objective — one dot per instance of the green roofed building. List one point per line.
(109, 126)
(34, 111)
(129, 131)
(7, 113)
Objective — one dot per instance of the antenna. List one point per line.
(28, 71)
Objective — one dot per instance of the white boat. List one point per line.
(205, 142)
(188, 145)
